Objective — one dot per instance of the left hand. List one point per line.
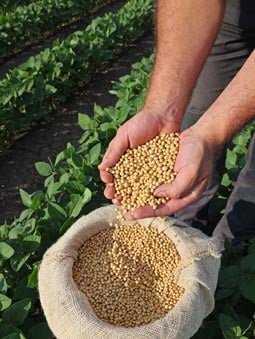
(193, 165)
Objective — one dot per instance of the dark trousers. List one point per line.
(234, 43)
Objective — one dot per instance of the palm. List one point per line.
(144, 126)
(193, 166)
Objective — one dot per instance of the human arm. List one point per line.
(185, 33)
(201, 143)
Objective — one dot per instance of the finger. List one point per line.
(116, 201)
(148, 211)
(109, 191)
(171, 207)
(116, 149)
(106, 176)
(175, 205)
(140, 213)
(181, 185)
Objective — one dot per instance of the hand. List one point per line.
(193, 165)
(144, 126)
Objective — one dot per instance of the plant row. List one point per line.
(40, 85)
(9, 5)
(72, 188)
(30, 22)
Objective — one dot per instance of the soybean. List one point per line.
(128, 273)
(142, 169)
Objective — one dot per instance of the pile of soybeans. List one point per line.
(127, 274)
(142, 169)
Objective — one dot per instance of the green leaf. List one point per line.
(6, 328)
(86, 122)
(30, 62)
(241, 149)
(61, 156)
(209, 329)
(229, 277)
(25, 198)
(36, 201)
(23, 291)
(23, 229)
(87, 195)
(247, 284)
(75, 187)
(70, 149)
(77, 207)
(76, 160)
(4, 231)
(26, 214)
(247, 263)
(229, 326)
(49, 180)
(33, 276)
(50, 89)
(6, 251)
(17, 313)
(94, 154)
(224, 293)
(108, 126)
(39, 331)
(15, 335)
(231, 159)
(98, 110)
(31, 242)
(43, 168)
(226, 182)
(64, 178)
(3, 284)
(56, 212)
(5, 302)
(18, 260)
(247, 287)
(53, 188)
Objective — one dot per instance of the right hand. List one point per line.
(144, 126)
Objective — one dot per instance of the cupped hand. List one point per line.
(193, 165)
(144, 126)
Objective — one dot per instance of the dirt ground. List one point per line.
(47, 140)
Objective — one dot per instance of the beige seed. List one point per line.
(141, 170)
(135, 287)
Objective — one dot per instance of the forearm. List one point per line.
(186, 31)
(232, 110)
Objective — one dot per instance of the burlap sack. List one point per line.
(69, 313)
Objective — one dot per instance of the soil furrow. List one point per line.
(47, 140)
(18, 58)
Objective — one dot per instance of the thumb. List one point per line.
(181, 185)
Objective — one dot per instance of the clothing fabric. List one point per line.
(233, 45)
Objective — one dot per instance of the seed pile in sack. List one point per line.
(111, 278)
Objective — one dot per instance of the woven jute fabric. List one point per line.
(68, 312)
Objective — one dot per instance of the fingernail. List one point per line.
(130, 216)
(160, 194)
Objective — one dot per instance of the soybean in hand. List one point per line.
(142, 169)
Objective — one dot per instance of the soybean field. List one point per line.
(71, 73)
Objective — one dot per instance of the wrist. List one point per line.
(167, 113)
(211, 133)
(170, 105)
